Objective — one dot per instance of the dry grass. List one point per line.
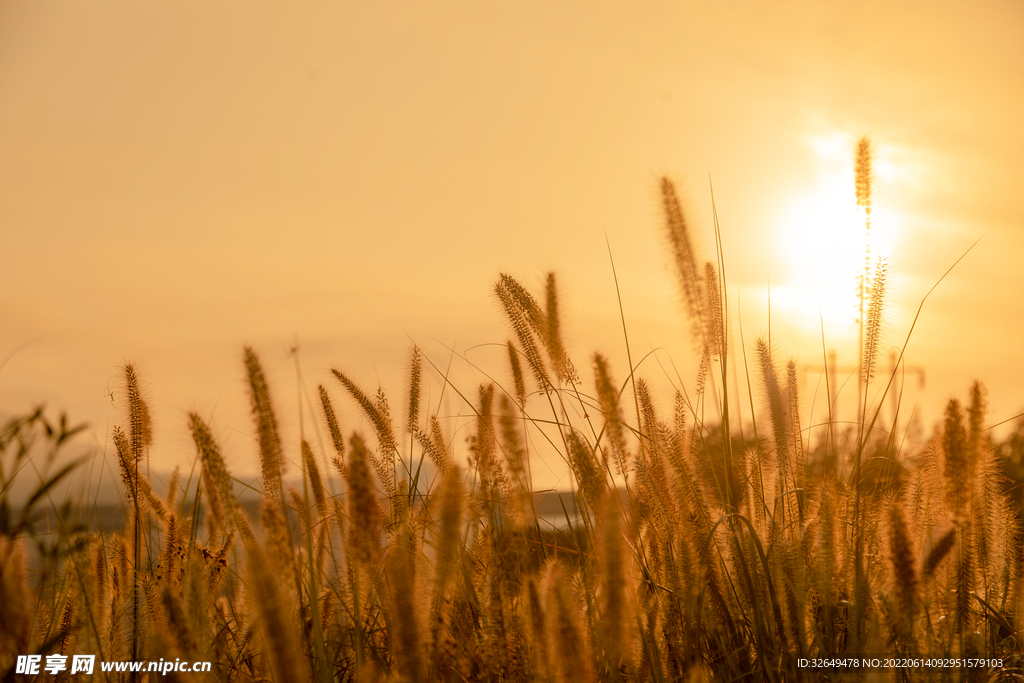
(697, 556)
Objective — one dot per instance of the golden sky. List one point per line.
(178, 179)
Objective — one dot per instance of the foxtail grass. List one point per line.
(687, 548)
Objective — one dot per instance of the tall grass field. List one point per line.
(698, 548)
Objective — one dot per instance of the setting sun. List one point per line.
(533, 342)
(823, 241)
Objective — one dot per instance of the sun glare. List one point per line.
(823, 241)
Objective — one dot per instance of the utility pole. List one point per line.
(831, 369)
(896, 390)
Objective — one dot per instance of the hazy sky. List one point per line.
(178, 179)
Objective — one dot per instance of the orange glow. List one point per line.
(822, 240)
(180, 179)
